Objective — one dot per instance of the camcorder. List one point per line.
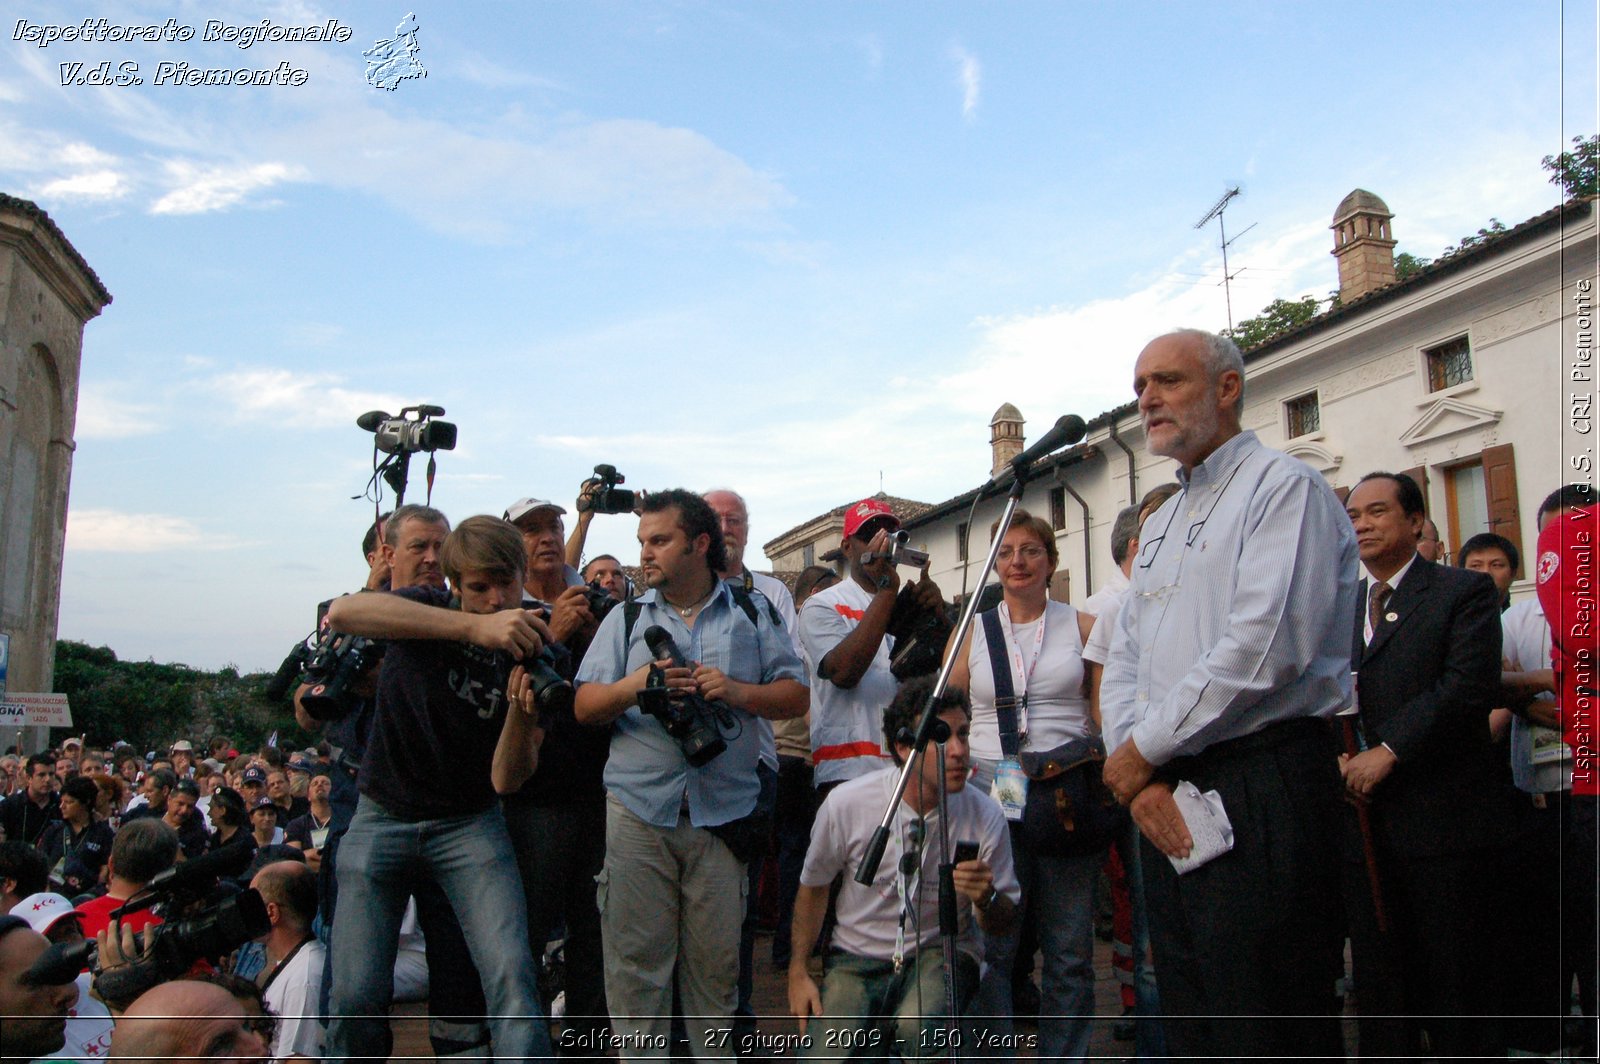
(899, 553)
(606, 497)
(414, 430)
(696, 723)
(329, 662)
(210, 933)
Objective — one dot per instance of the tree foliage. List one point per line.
(1495, 227)
(1576, 171)
(1406, 264)
(150, 705)
(1275, 318)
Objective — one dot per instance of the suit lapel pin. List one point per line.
(1391, 616)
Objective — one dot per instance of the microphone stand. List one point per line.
(867, 869)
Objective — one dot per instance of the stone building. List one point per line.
(47, 294)
(1455, 375)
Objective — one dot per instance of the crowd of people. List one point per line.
(1285, 725)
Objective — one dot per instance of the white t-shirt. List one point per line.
(846, 724)
(868, 917)
(88, 1027)
(292, 996)
(1050, 673)
(1525, 643)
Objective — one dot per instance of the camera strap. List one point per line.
(284, 963)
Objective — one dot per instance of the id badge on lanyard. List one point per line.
(1010, 788)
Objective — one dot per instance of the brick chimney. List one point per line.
(1363, 244)
(1005, 436)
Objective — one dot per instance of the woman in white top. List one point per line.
(1044, 645)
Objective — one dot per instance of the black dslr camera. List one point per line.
(599, 599)
(606, 497)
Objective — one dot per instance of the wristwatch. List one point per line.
(988, 899)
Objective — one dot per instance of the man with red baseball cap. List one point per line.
(844, 631)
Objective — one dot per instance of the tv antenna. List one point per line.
(1216, 212)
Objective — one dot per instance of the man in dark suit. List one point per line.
(1426, 653)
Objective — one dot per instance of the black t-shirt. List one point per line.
(441, 705)
(24, 821)
(572, 758)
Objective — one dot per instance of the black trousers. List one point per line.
(1248, 947)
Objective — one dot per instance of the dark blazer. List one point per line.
(1425, 686)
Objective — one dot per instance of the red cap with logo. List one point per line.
(864, 511)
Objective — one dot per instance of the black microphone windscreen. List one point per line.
(1074, 427)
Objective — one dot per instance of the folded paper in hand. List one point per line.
(1208, 825)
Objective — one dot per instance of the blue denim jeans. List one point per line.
(381, 859)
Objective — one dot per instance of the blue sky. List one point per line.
(786, 248)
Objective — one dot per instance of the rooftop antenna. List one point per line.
(1216, 212)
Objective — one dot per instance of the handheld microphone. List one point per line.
(1069, 428)
(661, 644)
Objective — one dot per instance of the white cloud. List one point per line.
(101, 417)
(969, 74)
(214, 188)
(284, 396)
(95, 185)
(128, 533)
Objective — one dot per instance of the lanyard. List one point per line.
(1020, 674)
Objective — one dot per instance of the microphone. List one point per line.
(192, 875)
(660, 642)
(372, 419)
(1069, 428)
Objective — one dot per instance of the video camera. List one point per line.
(606, 497)
(329, 662)
(405, 434)
(211, 933)
(696, 723)
(899, 553)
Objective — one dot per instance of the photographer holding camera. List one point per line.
(557, 820)
(681, 793)
(402, 551)
(845, 631)
(451, 706)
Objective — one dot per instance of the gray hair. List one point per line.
(411, 512)
(1123, 529)
(1220, 355)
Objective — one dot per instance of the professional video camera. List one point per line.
(605, 497)
(211, 933)
(405, 434)
(330, 662)
(696, 723)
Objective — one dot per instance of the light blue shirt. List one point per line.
(647, 770)
(1240, 612)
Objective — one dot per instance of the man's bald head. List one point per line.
(185, 1018)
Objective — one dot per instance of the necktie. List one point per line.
(1380, 595)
